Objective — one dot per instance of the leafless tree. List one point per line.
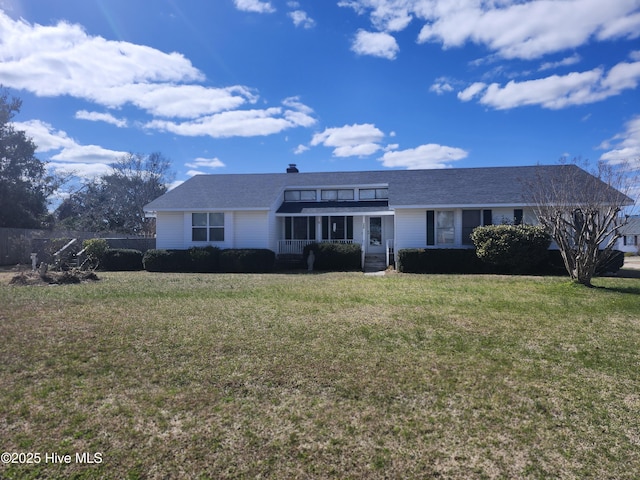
(582, 211)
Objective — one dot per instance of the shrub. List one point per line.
(512, 248)
(334, 257)
(159, 260)
(614, 263)
(203, 259)
(440, 260)
(94, 249)
(247, 260)
(122, 259)
(209, 260)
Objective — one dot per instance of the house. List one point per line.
(630, 240)
(383, 211)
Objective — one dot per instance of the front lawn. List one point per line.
(321, 376)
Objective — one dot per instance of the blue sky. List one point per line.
(237, 86)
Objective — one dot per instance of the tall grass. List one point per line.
(323, 375)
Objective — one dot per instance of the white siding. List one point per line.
(411, 228)
(251, 230)
(170, 230)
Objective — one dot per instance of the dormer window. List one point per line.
(300, 196)
(374, 193)
(337, 194)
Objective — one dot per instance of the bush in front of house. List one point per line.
(209, 260)
(247, 260)
(122, 259)
(440, 260)
(183, 261)
(94, 249)
(334, 257)
(614, 263)
(512, 248)
(203, 259)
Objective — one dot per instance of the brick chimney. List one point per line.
(292, 168)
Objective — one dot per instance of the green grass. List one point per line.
(323, 375)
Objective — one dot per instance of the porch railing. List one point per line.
(296, 247)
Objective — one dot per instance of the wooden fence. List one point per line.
(17, 244)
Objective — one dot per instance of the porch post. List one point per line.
(364, 240)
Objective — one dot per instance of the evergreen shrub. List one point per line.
(334, 257)
(122, 259)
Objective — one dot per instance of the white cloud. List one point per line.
(101, 117)
(624, 147)
(441, 86)
(425, 156)
(386, 15)
(300, 149)
(209, 163)
(471, 91)
(81, 170)
(256, 6)
(377, 44)
(301, 19)
(82, 160)
(239, 123)
(350, 140)
(557, 91)
(511, 28)
(64, 60)
(572, 60)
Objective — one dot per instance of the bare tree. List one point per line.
(583, 212)
(114, 202)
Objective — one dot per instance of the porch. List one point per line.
(296, 247)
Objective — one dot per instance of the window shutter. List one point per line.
(487, 217)
(517, 216)
(431, 230)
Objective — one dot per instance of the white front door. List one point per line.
(375, 242)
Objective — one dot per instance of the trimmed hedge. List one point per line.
(121, 259)
(334, 257)
(247, 260)
(440, 260)
(613, 264)
(210, 260)
(421, 260)
(512, 248)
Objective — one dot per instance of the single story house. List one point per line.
(383, 211)
(630, 240)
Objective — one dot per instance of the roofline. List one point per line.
(198, 210)
(380, 213)
(440, 206)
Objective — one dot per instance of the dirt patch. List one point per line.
(53, 278)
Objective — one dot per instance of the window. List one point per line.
(300, 228)
(300, 195)
(440, 227)
(342, 194)
(337, 228)
(445, 231)
(630, 240)
(207, 227)
(374, 193)
(472, 219)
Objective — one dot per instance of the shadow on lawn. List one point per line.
(625, 273)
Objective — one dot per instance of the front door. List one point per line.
(375, 244)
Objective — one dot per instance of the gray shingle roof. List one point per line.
(446, 187)
(632, 227)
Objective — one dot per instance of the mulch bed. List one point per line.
(53, 278)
